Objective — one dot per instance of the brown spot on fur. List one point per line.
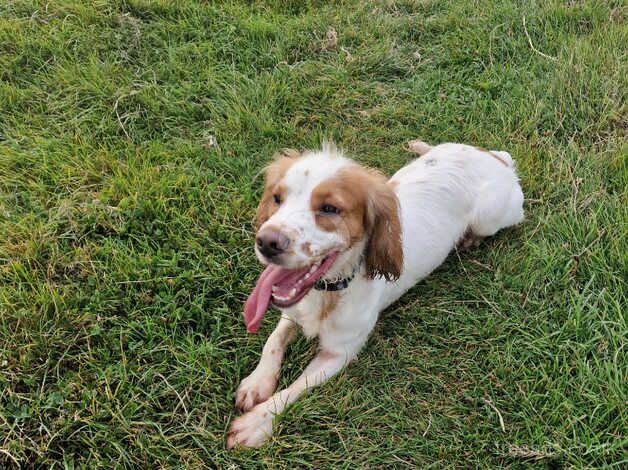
(306, 249)
(274, 174)
(330, 300)
(492, 154)
(368, 207)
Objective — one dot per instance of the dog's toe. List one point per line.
(253, 390)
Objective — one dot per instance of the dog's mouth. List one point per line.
(283, 287)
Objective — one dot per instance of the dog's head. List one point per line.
(317, 207)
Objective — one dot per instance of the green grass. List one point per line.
(131, 134)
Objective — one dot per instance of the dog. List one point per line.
(341, 243)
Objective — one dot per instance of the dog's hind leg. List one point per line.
(498, 207)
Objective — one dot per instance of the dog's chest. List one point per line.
(313, 313)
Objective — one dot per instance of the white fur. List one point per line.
(452, 188)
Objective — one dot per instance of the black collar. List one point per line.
(338, 283)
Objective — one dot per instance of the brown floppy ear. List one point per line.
(384, 251)
(273, 173)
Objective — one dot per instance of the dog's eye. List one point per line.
(277, 199)
(329, 209)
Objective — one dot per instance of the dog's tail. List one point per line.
(419, 147)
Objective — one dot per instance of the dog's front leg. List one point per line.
(252, 429)
(261, 383)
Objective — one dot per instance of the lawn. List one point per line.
(132, 134)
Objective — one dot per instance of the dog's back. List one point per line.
(453, 193)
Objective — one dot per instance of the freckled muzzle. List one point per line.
(284, 287)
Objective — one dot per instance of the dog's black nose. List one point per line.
(271, 242)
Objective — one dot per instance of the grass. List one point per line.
(131, 134)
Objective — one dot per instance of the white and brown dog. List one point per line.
(341, 243)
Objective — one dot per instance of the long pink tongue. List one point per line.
(257, 303)
(285, 279)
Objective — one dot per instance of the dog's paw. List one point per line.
(251, 429)
(469, 241)
(254, 389)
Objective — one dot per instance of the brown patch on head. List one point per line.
(330, 300)
(274, 174)
(346, 192)
(492, 154)
(368, 208)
